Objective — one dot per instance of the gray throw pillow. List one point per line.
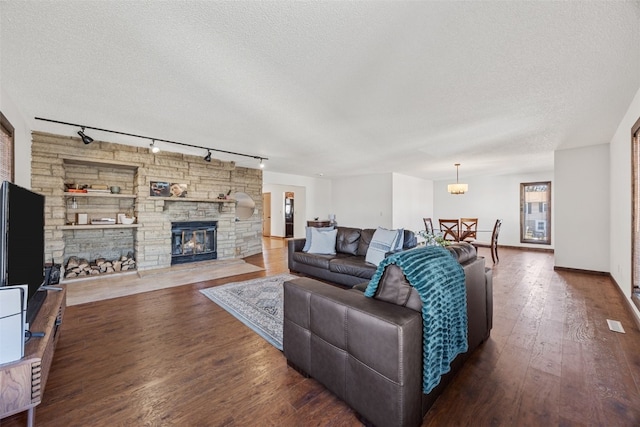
(323, 242)
(307, 243)
(399, 242)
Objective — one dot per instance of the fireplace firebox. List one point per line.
(193, 241)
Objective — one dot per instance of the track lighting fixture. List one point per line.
(154, 148)
(86, 139)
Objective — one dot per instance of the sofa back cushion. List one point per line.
(347, 240)
(365, 239)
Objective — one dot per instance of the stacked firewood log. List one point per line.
(78, 267)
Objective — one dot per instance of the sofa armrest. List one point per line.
(294, 245)
(367, 352)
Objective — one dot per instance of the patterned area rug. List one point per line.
(257, 303)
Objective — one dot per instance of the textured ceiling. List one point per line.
(333, 88)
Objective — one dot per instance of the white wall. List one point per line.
(581, 206)
(490, 198)
(363, 201)
(277, 208)
(412, 201)
(22, 140)
(312, 199)
(620, 228)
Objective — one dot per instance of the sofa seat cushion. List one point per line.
(353, 266)
(314, 260)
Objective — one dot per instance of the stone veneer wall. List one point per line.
(58, 159)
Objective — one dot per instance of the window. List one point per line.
(6, 149)
(535, 212)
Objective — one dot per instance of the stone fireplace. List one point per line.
(58, 160)
(193, 241)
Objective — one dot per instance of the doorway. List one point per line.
(288, 214)
(266, 214)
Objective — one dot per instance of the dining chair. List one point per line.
(450, 229)
(493, 244)
(428, 225)
(468, 229)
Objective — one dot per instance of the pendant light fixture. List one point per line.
(457, 188)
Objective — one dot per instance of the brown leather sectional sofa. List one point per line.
(348, 266)
(368, 351)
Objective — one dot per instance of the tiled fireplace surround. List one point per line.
(57, 160)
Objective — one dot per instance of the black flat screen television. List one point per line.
(22, 245)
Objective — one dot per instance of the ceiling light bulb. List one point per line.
(154, 148)
(261, 164)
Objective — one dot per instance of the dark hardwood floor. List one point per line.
(174, 358)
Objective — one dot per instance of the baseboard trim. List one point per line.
(527, 248)
(579, 270)
(630, 303)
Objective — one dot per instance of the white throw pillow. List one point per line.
(323, 242)
(383, 241)
(307, 243)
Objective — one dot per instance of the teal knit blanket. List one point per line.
(439, 279)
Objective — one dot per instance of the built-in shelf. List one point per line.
(96, 226)
(105, 195)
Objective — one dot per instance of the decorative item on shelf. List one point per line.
(75, 188)
(159, 189)
(332, 219)
(115, 189)
(127, 220)
(178, 190)
(98, 188)
(103, 221)
(82, 219)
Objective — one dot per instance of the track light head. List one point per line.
(207, 158)
(86, 139)
(261, 164)
(154, 148)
